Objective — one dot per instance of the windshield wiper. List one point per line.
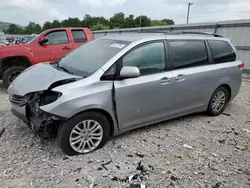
(60, 67)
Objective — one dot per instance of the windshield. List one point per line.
(34, 38)
(88, 58)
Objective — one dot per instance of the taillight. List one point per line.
(241, 66)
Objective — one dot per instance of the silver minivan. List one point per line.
(118, 83)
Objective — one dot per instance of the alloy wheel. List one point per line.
(219, 101)
(86, 136)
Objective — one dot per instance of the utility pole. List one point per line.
(189, 4)
(140, 23)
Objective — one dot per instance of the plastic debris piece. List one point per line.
(173, 178)
(2, 131)
(140, 155)
(226, 114)
(242, 147)
(217, 185)
(187, 146)
(246, 130)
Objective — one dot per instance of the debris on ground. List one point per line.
(222, 141)
(2, 131)
(217, 185)
(105, 164)
(173, 178)
(139, 155)
(130, 156)
(246, 130)
(226, 114)
(187, 146)
(242, 147)
(65, 158)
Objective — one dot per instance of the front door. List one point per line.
(59, 44)
(145, 99)
(41, 53)
(194, 78)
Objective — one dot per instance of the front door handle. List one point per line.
(66, 48)
(165, 80)
(180, 77)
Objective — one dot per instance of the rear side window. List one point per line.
(79, 36)
(188, 53)
(222, 51)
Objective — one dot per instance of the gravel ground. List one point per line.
(194, 151)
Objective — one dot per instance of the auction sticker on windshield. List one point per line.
(116, 45)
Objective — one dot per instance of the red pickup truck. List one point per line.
(49, 46)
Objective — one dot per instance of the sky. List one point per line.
(23, 11)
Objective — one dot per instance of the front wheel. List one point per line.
(10, 74)
(83, 133)
(218, 101)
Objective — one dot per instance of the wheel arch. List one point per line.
(14, 61)
(228, 89)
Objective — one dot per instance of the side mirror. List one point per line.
(130, 72)
(43, 40)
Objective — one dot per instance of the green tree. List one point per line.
(56, 24)
(167, 22)
(144, 20)
(155, 22)
(14, 29)
(47, 25)
(71, 22)
(100, 27)
(37, 29)
(32, 28)
(130, 21)
(117, 21)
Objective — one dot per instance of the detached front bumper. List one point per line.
(39, 122)
(19, 111)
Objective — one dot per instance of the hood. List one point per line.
(38, 78)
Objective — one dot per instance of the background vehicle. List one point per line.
(118, 83)
(49, 46)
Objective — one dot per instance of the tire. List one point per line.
(215, 112)
(10, 74)
(65, 132)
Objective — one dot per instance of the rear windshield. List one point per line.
(88, 58)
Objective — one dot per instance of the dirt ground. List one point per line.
(194, 151)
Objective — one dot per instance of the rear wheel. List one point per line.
(10, 74)
(83, 133)
(218, 101)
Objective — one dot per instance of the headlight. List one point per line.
(49, 97)
(27, 98)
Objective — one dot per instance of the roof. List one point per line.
(133, 37)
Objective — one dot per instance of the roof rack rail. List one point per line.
(203, 33)
(180, 32)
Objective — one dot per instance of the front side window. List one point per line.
(79, 36)
(88, 58)
(188, 53)
(222, 51)
(149, 58)
(58, 37)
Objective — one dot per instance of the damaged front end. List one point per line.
(31, 90)
(28, 109)
(42, 123)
